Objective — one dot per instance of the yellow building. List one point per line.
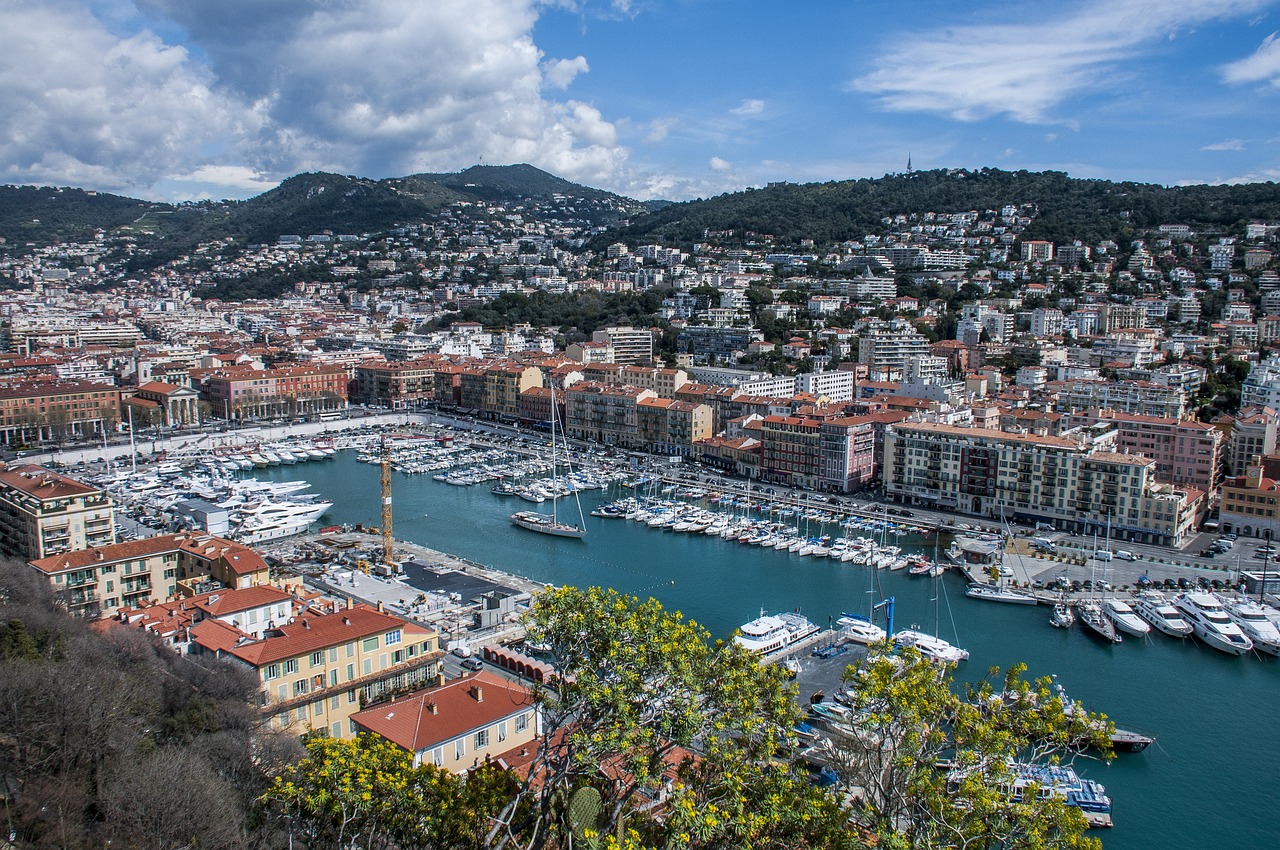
(43, 513)
(105, 579)
(319, 670)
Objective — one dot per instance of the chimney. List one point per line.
(433, 708)
(306, 624)
(350, 603)
(346, 621)
(379, 606)
(478, 693)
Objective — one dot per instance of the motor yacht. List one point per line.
(1252, 620)
(1125, 618)
(1211, 624)
(768, 634)
(1154, 607)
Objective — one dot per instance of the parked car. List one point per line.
(472, 663)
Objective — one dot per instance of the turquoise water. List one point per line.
(1210, 781)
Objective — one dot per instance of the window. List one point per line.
(397, 657)
(502, 731)
(333, 655)
(351, 647)
(522, 722)
(271, 671)
(333, 678)
(301, 687)
(351, 672)
(369, 644)
(437, 756)
(393, 637)
(368, 666)
(482, 739)
(317, 658)
(291, 666)
(459, 748)
(351, 696)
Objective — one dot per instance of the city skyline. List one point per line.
(671, 99)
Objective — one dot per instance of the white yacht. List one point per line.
(768, 634)
(1154, 607)
(1252, 620)
(1210, 623)
(931, 646)
(998, 593)
(1125, 618)
(859, 629)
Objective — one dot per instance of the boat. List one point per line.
(771, 633)
(999, 593)
(1154, 607)
(857, 628)
(930, 646)
(1098, 623)
(1124, 617)
(1252, 620)
(550, 523)
(1063, 617)
(1211, 624)
(1063, 782)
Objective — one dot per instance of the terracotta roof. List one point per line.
(461, 706)
(220, 603)
(307, 634)
(44, 484)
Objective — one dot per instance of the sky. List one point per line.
(182, 100)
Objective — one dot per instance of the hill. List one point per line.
(1068, 208)
(552, 196)
(45, 214)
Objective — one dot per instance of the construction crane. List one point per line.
(388, 542)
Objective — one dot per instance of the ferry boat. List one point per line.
(1061, 781)
(768, 634)
(1210, 623)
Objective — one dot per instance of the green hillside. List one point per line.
(1068, 208)
(45, 214)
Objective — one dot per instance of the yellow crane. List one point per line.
(388, 543)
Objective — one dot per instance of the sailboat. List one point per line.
(930, 645)
(1117, 610)
(551, 524)
(1091, 615)
(999, 592)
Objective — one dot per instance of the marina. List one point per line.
(1170, 687)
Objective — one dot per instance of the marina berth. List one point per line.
(1211, 624)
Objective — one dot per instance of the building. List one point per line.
(396, 384)
(107, 578)
(834, 455)
(1079, 485)
(630, 345)
(1185, 451)
(1037, 251)
(176, 405)
(708, 343)
(889, 347)
(604, 414)
(33, 411)
(1118, 317)
(836, 386)
(459, 724)
(667, 427)
(247, 393)
(320, 669)
(1048, 322)
(1141, 397)
(43, 513)
(1251, 505)
(503, 383)
(1253, 435)
(252, 611)
(1262, 387)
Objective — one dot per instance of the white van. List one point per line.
(1102, 555)
(1125, 555)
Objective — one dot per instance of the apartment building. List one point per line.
(1078, 485)
(181, 623)
(460, 724)
(1185, 451)
(833, 455)
(630, 345)
(248, 393)
(1251, 505)
(108, 578)
(669, 427)
(320, 669)
(836, 386)
(503, 384)
(889, 347)
(43, 513)
(1139, 397)
(44, 409)
(1118, 317)
(664, 382)
(396, 384)
(1253, 435)
(604, 414)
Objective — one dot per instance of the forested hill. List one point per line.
(1068, 208)
(45, 214)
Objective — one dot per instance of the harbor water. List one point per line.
(1209, 781)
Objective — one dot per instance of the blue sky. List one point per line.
(182, 99)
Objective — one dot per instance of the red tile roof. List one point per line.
(310, 633)
(461, 706)
(44, 484)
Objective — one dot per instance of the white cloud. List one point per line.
(718, 164)
(659, 128)
(273, 87)
(752, 106)
(1225, 145)
(561, 72)
(1263, 65)
(1027, 69)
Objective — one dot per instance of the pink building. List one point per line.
(1185, 451)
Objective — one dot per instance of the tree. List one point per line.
(906, 719)
(638, 691)
(367, 793)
